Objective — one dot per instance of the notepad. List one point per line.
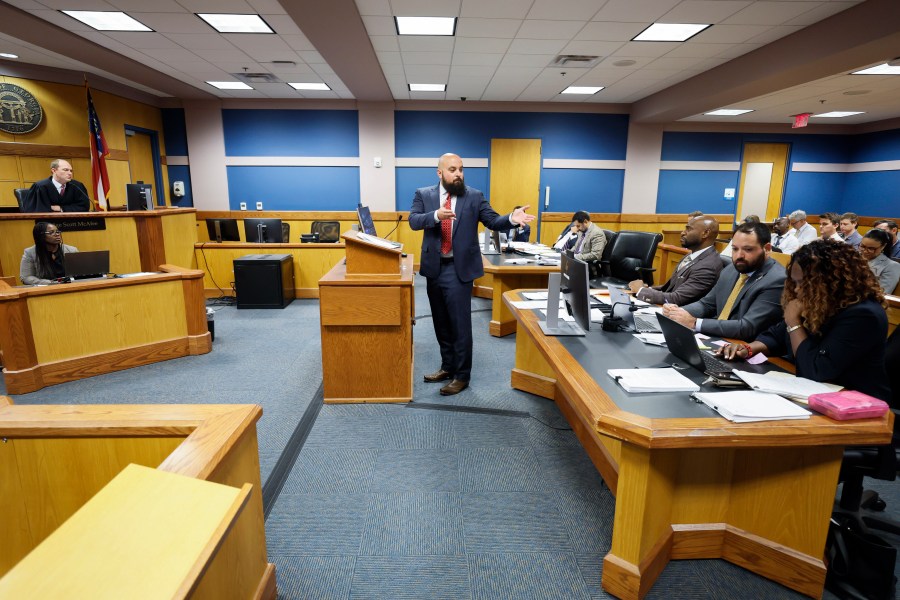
(744, 406)
(785, 384)
(665, 379)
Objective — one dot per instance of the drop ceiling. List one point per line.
(777, 57)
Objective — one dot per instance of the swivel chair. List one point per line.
(329, 231)
(21, 196)
(597, 267)
(630, 257)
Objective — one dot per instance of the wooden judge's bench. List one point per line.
(366, 306)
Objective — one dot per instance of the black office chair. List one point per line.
(597, 267)
(285, 232)
(21, 196)
(329, 231)
(631, 257)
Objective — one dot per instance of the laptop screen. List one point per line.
(87, 264)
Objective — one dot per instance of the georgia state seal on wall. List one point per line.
(20, 112)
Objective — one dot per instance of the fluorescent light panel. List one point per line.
(320, 87)
(883, 69)
(107, 20)
(8, 55)
(582, 89)
(669, 32)
(427, 87)
(425, 25)
(837, 114)
(230, 85)
(234, 23)
(729, 112)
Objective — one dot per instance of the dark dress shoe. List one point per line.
(454, 387)
(439, 375)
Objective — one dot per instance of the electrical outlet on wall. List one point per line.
(259, 206)
(243, 206)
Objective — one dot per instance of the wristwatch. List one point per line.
(794, 328)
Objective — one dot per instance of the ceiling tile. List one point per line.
(820, 12)
(774, 33)
(694, 49)
(390, 70)
(565, 10)
(634, 11)
(81, 5)
(282, 24)
(266, 7)
(311, 57)
(389, 58)
(646, 48)
(203, 41)
(527, 60)
(476, 59)
(459, 74)
(135, 7)
(427, 58)
(259, 44)
(488, 28)
(213, 55)
(728, 34)
(142, 40)
(173, 55)
(175, 23)
(610, 32)
(374, 7)
(424, 43)
(763, 12)
(496, 9)
(466, 45)
(380, 25)
(536, 46)
(298, 42)
(427, 73)
(548, 30)
(64, 21)
(217, 6)
(592, 48)
(386, 43)
(703, 11)
(26, 4)
(738, 50)
(425, 8)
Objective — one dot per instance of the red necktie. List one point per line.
(447, 230)
(62, 189)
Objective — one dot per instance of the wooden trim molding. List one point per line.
(38, 150)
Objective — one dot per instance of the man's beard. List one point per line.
(746, 267)
(456, 188)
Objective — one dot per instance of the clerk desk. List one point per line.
(500, 277)
(688, 483)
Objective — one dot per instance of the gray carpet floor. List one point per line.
(397, 501)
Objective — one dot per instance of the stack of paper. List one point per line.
(656, 339)
(785, 384)
(666, 379)
(747, 406)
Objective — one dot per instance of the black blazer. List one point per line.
(689, 284)
(848, 351)
(43, 195)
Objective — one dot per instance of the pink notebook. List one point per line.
(848, 404)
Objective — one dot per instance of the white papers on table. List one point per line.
(535, 295)
(665, 379)
(605, 299)
(518, 261)
(563, 315)
(597, 315)
(656, 339)
(378, 241)
(785, 384)
(532, 304)
(744, 406)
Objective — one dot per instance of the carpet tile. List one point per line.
(414, 524)
(430, 470)
(419, 429)
(330, 470)
(527, 576)
(588, 516)
(411, 578)
(317, 524)
(480, 431)
(499, 470)
(314, 577)
(513, 522)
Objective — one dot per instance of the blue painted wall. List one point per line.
(420, 134)
(175, 135)
(687, 191)
(294, 188)
(875, 193)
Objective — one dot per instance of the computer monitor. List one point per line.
(138, 196)
(365, 220)
(576, 289)
(263, 231)
(223, 230)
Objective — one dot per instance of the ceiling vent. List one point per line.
(575, 61)
(251, 78)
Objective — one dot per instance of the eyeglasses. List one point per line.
(864, 248)
(54, 232)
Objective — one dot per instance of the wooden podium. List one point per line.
(366, 308)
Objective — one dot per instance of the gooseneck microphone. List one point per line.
(399, 218)
(612, 322)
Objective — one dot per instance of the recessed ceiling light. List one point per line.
(728, 112)
(8, 55)
(230, 85)
(669, 32)
(427, 87)
(232, 23)
(883, 69)
(836, 114)
(107, 20)
(582, 89)
(321, 87)
(425, 25)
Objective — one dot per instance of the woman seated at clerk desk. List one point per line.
(872, 247)
(834, 326)
(45, 261)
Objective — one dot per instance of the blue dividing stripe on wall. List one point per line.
(174, 132)
(294, 188)
(291, 132)
(564, 135)
(409, 179)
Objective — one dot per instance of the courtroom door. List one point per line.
(763, 172)
(515, 169)
(143, 160)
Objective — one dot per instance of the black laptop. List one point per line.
(87, 265)
(681, 342)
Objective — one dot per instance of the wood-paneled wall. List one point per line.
(63, 133)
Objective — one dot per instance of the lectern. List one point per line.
(366, 308)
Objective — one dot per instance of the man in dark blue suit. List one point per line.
(449, 214)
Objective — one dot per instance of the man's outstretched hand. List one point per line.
(519, 215)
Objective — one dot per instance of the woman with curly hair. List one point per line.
(834, 326)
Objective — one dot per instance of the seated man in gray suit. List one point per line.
(747, 298)
(591, 239)
(695, 274)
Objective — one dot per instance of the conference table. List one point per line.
(506, 276)
(688, 483)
